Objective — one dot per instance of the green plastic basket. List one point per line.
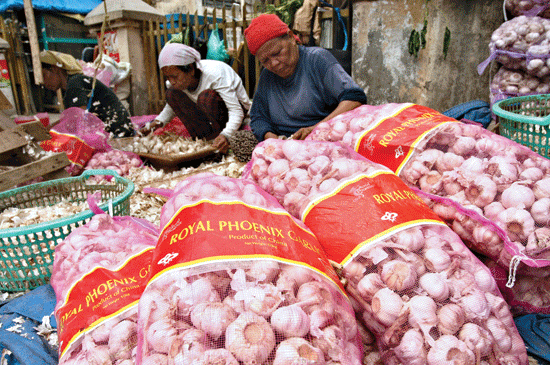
(525, 120)
(27, 252)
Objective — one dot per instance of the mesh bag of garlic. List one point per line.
(100, 271)
(509, 83)
(417, 287)
(236, 280)
(521, 43)
(528, 7)
(493, 192)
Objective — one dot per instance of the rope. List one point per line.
(514, 263)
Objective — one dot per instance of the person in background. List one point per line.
(206, 95)
(62, 71)
(299, 86)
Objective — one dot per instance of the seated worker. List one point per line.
(206, 95)
(62, 71)
(299, 86)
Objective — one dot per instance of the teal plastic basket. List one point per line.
(525, 120)
(27, 252)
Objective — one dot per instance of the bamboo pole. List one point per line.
(165, 29)
(196, 30)
(246, 54)
(172, 26)
(224, 26)
(33, 41)
(205, 25)
(180, 26)
(161, 76)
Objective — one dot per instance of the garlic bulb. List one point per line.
(449, 350)
(451, 318)
(250, 338)
(476, 338)
(296, 350)
(212, 318)
(291, 321)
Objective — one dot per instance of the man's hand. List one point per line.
(270, 135)
(149, 127)
(221, 144)
(302, 133)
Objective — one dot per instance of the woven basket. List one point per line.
(27, 252)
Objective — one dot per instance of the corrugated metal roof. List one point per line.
(65, 6)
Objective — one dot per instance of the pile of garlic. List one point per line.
(166, 144)
(524, 7)
(523, 43)
(148, 206)
(509, 83)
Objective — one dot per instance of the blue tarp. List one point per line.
(18, 319)
(535, 331)
(64, 6)
(477, 110)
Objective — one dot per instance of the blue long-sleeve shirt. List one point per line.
(318, 85)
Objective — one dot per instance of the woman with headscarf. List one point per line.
(62, 71)
(206, 95)
(299, 86)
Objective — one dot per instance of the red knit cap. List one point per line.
(262, 29)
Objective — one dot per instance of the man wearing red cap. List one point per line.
(299, 86)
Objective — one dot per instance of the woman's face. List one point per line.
(180, 80)
(279, 55)
(52, 78)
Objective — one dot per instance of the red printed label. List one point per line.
(392, 141)
(363, 210)
(234, 230)
(100, 295)
(76, 149)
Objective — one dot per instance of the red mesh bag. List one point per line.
(416, 286)
(236, 280)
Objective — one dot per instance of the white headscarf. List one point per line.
(177, 54)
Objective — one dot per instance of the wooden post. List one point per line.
(205, 24)
(33, 40)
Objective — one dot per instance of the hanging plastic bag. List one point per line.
(80, 134)
(216, 48)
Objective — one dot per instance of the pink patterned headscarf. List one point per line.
(177, 54)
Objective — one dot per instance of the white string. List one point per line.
(504, 10)
(514, 263)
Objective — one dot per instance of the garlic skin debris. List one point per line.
(250, 338)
